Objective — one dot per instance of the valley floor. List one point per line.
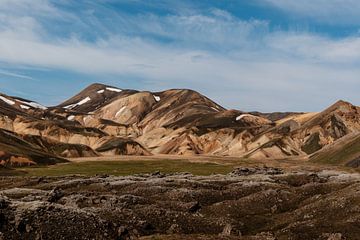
(197, 165)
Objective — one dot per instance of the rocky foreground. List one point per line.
(249, 203)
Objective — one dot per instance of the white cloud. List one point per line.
(315, 48)
(240, 63)
(42, 8)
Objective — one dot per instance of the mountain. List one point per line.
(106, 120)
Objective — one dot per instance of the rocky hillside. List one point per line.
(106, 120)
(248, 204)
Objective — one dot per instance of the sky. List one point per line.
(263, 55)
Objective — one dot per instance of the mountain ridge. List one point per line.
(103, 118)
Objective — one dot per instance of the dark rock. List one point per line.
(3, 220)
(40, 179)
(4, 203)
(194, 207)
(55, 195)
(123, 233)
(158, 174)
(245, 171)
(102, 175)
(21, 226)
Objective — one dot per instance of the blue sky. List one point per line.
(266, 55)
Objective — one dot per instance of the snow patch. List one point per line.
(101, 91)
(215, 109)
(157, 98)
(242, 116)
(113, 89)
(34, 105)
(37, 105)
(85, 100)
(8, 101)
(70, 106)
(24, 107)
(120, 111)
(71, 118)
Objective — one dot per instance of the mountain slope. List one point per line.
(337, 121)
(345, 151)
(17, 151)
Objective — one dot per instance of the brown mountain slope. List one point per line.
(60, 148)
(127, 109)
(345, 151)
(14, 150)
(178, 107)
(307, 133)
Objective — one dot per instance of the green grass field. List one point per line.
(122, 168)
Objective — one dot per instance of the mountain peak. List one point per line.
(92, 97)
(340, 105)
(341, 102)
(98, 86)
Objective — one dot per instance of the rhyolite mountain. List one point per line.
(106, 120)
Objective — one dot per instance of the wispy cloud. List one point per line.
(16, 75)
